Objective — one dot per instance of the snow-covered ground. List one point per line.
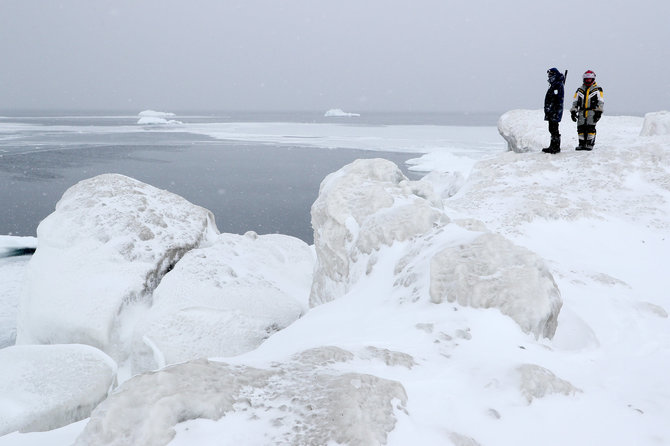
(512, 298)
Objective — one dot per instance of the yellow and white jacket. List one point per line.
(588, 100)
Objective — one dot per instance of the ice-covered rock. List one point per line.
(537, 382)
(522, 130)
(301, 401)
(225, 299)
(43, 387)
(491, 272)
(657, 123)
(101, 252)
(360, 208)
(338, 112)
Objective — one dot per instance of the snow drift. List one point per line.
(224, 299)
(43, 387)
(104, 250)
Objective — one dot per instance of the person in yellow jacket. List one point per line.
(587, 110)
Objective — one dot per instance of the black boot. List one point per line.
(582, 145)
(554, 146)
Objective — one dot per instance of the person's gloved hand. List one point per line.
(597, 115)
(573, 115)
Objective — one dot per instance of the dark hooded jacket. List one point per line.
(553, 100)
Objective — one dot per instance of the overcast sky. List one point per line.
(358, 55)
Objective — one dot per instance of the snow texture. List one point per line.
(360, 208)
(303, 401)
(104, 250)
(657, 123)
(44, 387)
(491, 272)
(224, 299)
(338, 112)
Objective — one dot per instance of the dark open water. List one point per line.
(267, 189)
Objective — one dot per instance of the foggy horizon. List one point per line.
(391, 56)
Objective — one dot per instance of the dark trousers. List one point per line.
(553, 130)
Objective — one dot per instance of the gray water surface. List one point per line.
(248, 186)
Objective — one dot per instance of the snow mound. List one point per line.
(105, 248)
(44, 387)
(360, 208)
(491, 272)
(338, 112)
(154, 120)
(302, 401)
(154, 114)
(657, 123)
(225, 299)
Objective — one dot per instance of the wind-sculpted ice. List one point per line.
(101, 252)
(362, 207)
(44, 387)
(301, 401)
(225, 299)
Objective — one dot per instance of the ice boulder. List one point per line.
(101, 252)
(362, 207)
(538, 382)
(225, 299)
(492, 272)
(304, 400)
(657, 123)
(524, 130)
(43, 387)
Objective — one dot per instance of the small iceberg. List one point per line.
(154, 114)
(338, 112)
(151, 117)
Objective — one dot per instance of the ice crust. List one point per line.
(43, 387)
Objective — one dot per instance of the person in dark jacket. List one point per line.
(553, 108)
(586, 110)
